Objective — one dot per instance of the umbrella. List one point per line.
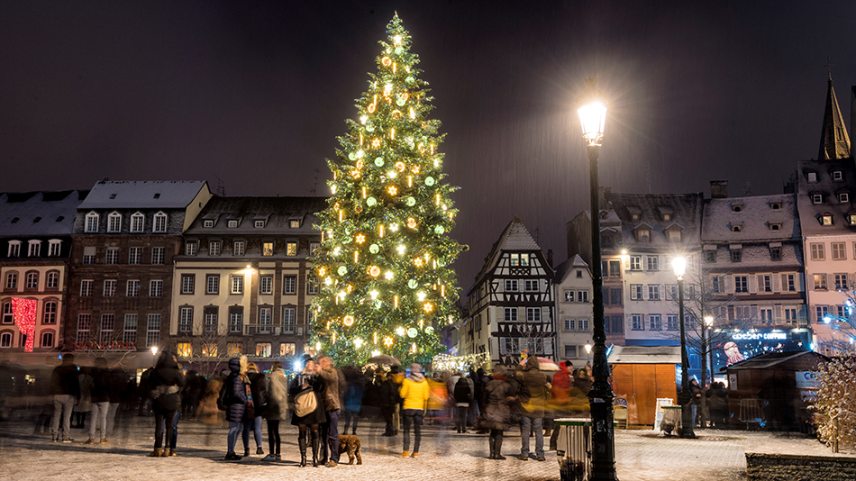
(545, 364)
(385, 359)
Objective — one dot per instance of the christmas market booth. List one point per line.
(642, 375)
(773, 390)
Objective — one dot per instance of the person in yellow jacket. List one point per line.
(415, 393)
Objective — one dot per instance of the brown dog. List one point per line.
(351, 444)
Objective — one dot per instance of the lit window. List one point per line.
(263, 349)
(826, 219)
(287, 349)
(267, 249)
(294, 223)
(184, 350)
(291, 249)
(234, 349)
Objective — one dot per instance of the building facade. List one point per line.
(35, 246)
(574, 311)
(511, 306)
(243, 283)
(126, 235)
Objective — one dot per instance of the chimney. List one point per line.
(550, 257)
(718, 189)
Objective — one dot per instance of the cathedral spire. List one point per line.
(834, 141)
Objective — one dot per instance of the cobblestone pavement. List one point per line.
(642, 456)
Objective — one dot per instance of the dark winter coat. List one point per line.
(236, 400)
(319, 416)
(258, 390)
(165, 385)
(497, 408)
(387, 394)
(101, 382)
(276, 396)
(119, 384)
(534, 385)
(64, 380)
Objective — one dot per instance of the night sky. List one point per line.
(250, 95)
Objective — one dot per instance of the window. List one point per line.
(105, 334)
(826, 219)
(775, 253)
(289, 319)
(184, 350)
(674, 235)
(313, 247)
(655, 322)
(52, 280)
(8, 315)
(266, 284)
(212, 284)
(672, 322)
(765, 283)
(188, 283)
(239, 248)
(843, 197)
(267, 249)
(91, 222)
(133, 288)
(819, 282)
(511, 285)
(583, 324)
(741, 284)
(237, 284)
(214, 247)
(789, 282)
(524, 260)
(14, 248)
(839, 251)
(54, 248)
(533, 314)
(210, 349)
(138, 221)
(210, 320)
(514, 260)
(135, 255)
(615, 298)
(114, 222)
(570, 296)
(236, 320)
(736, 255)
(653, 292)
(83, 323)
(790, 314)
(530, 285)
(232, 223)
(294, 223)
(635, 263)
(11, 280)
(6, 339)
(47, 339)
(311, 284)
(191, 248)
(287, 349)
(289, 284)
(159, 223)
(208, 223)
(816, 250)
(510, 314)
(775, 226)
(259, 224)
(109, 288)
(716, 284)
(636, 322)
(817, 199)
(643, 235)
(34, 248)
(840, 281)
(579, 273)
(129, 331)
(31, 281)
(185, 320)
(89, 255)
(291, 248)
(821, 312)
(614, 268)
(636, 292)
(837, 175)
(111, 255)
(570, 324)
(265, 320)
(766, 314)
(653, 263)
(153, 325)
(156, 288)
(263, 349)
(158, 255)
(86, 287)
(582, 296)
(234, 349)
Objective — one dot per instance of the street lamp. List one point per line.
(592, 120)
(679, 265)
(705, 352)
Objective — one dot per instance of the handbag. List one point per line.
(305, 402)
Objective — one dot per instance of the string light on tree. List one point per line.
(387, 175)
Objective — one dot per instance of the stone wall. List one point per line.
(783, 467)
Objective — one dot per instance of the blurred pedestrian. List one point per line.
(533, 400)
(499, 395)
(354, 392)
(307, 397)
(463, 394)
(100, 400)
(252, 416)
(414, 393)
(165, 383)
(275, 408)
(234, 396)
(330, 375)
(65, 388)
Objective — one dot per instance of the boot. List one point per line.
(301, 444)
(156, 453)
(498, 447)
(314, 449)
(492, 445)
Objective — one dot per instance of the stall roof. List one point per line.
(645, 355)
(772, 359)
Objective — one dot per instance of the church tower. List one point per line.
(834, 140)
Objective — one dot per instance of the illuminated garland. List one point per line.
(445, 362)
(24, 312)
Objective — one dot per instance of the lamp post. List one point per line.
(679, 265)
(705, 352)
(592, 119)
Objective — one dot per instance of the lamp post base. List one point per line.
(603, 435)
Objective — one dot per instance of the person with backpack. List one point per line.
(462, 394)
(234, 397)
(307, 397)
(275, 408)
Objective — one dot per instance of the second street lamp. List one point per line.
(679, 265)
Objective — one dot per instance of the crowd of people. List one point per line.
(319, 396)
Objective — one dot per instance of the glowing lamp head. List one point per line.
(679, 266)
(708, 321)
(588, 348)
(827, 319)
(154, 350)
(592, 120)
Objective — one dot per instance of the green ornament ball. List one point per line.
(400, 102)
(374, 248)
(352, 156)
(378, 161)
(439, 230)
(398, 50)
(410, 201)
(369, 128)
(429, 181)
(412, 332)
(429, 330)
(412, 284)
(371, 202)
(410, 79)
(342, 270)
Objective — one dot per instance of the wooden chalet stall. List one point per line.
(641, 375)
(773, 390)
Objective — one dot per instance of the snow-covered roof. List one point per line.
(645, 355)
(143, 194)
(830, 190)
(772, 359)
(658, 212)
(39, 214)
(755, 218)
(575, 262)
(276, 212)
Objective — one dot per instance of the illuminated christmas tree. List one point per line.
(385, 256)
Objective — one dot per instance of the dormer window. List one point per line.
(14, 248)
(294, 224)
(811, 177)
(643, 234)
(666, 213)
(736, 227)
(91, 223)
(817, 199)
(635, 213)
(851, 219)
(843, 197)
(837, 175)
(34, 248)
(208, 223)
(825, 219)
(737, 207)
(138, 221)
(775, 226)
(259, 224)
(776, 205)
(114, 222)
(232, 224)
(160, 221)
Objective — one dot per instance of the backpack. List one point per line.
(462, 391)
(225, 397)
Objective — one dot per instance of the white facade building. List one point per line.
(574, 311)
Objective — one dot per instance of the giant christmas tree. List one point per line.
(384, 262)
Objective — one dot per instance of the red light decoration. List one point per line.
(24, 312)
